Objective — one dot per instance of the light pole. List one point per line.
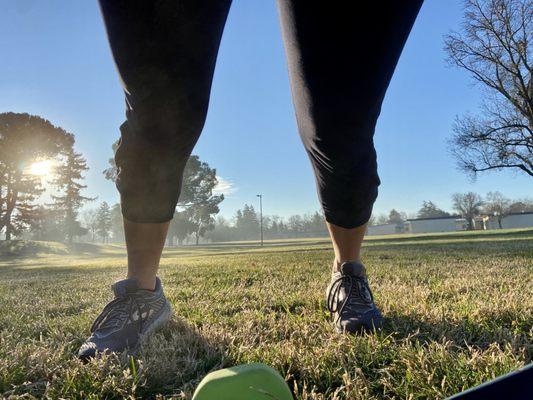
(261, 215)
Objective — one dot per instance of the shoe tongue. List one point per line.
(353, 269)
(125, 286)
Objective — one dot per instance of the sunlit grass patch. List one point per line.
(458, 312)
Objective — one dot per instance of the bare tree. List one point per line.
(498, 205)
(521, 206)
(494, 46)
(90, 220)
(381, 219)
(468, 205)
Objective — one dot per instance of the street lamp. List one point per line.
(261, 215)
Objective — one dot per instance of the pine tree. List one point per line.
(247, 222)
(180, 227)
(396, 217)
(104, 222)
(197, 197)
(197, 203)
(430, 210)
(117, 223)
(68, 178)
(20, 194)
(46, 224)
(24, 140)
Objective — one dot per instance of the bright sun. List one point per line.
(41, 168)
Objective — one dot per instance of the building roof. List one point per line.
(459, 217)
(431, 218)
(521, 213)
(373, 226)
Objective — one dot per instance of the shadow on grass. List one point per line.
(517, 247)
(42, 271)
(178, 356)
(456, 236)
(23, 249)
(492, 329)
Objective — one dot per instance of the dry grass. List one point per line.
(458, 307)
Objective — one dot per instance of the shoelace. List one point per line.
(115, 312)
(337, 285)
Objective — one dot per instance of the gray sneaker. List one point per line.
(133, 313)
(350, 300)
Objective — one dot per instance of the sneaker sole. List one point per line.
(374, 325)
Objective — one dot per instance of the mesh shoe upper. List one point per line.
(132, 313)
(350, 300)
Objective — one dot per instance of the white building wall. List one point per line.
(433, 225)
(518, 221)
(385, 229)
(493, 223)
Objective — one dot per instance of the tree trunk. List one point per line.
(11, 201)
(197, 238)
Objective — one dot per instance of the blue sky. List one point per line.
(56, 63)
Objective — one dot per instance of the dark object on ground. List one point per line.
(516, 385)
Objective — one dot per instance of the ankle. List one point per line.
(145, 282)
(338, 263)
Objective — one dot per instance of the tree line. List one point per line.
(245, 224)
(27, 141)
(104, 223)
(465, 205)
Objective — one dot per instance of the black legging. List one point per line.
(341, 57)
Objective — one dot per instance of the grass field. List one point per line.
(458, 307)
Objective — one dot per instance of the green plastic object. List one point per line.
(243, 382)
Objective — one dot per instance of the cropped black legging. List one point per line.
(341, 57)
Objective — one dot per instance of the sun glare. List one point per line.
(41, 168)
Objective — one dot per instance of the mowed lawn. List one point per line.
(458, 307)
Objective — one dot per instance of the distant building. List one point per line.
(453, 223)
(481, 222)
(514, 220)
(383, 229)
(437, 224)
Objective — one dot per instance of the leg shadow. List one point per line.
(503, 328)
(176, 357)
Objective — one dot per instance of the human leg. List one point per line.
(341, 58)
(165, 52)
